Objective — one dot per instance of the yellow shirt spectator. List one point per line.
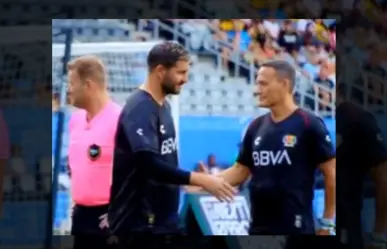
(321, 31)
(231, 25)
(226, 25)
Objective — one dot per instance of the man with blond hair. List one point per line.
(92, 130)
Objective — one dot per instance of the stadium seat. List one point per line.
(47, 183)
(27, 183)
(8, 185)
(45, 165)
(17, 165)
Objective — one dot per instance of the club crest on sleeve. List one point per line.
(289, 140)
(94, 152)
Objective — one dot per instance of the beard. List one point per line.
(168, 87)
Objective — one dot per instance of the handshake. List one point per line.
(215, 185)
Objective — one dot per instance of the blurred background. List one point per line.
(216, 105)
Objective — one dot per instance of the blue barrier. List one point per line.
(23, 223)
(217, 135)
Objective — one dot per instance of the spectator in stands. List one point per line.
(288, 38)
(312, 66)
(332, 36)
(237, 34)
(212, 166)
(273, 27)
(324, 79)
(321, 30)
(198, 32)
(258, 35)
(309, 35)
(55, 102)
(302, 24)
(257, 31)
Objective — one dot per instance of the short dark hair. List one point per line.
(284, 70)
(166, 54)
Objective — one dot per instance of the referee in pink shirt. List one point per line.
(92, 132)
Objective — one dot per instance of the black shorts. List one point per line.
(151, 241)
(86, 231)
(285, 229)
(308, 242)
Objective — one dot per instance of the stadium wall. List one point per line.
(220, 136)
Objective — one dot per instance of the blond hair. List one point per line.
(88, 67)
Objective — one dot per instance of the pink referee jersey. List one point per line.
(4, 139)
(91, 155)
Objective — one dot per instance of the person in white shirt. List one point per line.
(273, 27)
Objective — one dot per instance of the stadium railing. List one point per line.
(307, 91)
(359, 83)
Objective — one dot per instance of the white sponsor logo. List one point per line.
(379, 137)
(168, 146)
(298, 221)
(271, 158)
(257, 141)
(162, 129)
(140, 132)
(226, 218)
(328, 138)
(103, 221)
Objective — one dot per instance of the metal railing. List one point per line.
(214, 50)
(359, 81)
(236, 59)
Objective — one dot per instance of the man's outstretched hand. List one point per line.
(215, 185)
(202, 168)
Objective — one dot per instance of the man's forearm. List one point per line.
(157, 169)
(330, 197)
(235, 175)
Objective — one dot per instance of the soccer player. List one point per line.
(360, 150)
(281, 151)
(145, 191)
(92, 129)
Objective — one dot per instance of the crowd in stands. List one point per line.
(310, 45)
